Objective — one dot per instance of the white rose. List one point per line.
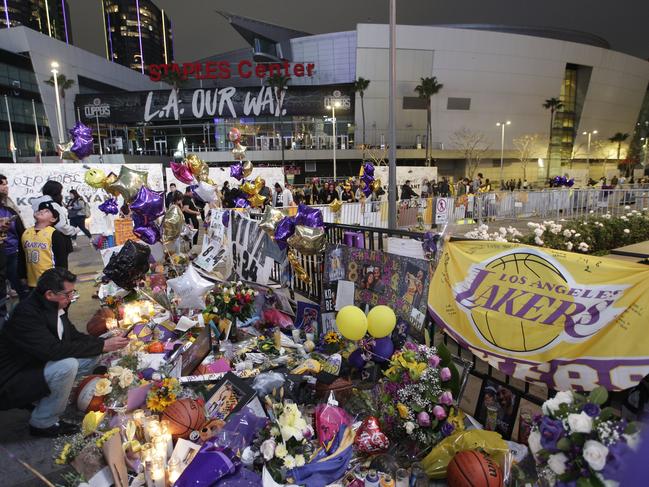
(557, 463)
(103, 387)
(115, 371)
(627, 231)
(632, 440)
(267, 449)
(126, 379)
(552, 405)
(538, 232)
(595, 454)
(569, 245)
(281, 451)
(567, 233)
(580, 423)
(289, 461)
(410, 427)
(534, 442)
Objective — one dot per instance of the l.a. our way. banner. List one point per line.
(543, 315)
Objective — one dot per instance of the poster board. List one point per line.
(220, 175)
(414, 174)
(26, 180)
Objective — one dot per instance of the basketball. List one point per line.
(86, 400)
(516, 334)
(184, 416)
(473, 469)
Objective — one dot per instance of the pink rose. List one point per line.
(445, 374)
(423, 419)
(439, 412)
(446, 398)
(434, 361)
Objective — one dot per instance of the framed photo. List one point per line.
(187, 360)
(228, 396)
(498, 407)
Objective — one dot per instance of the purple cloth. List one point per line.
(240, 430)
(11, 243)
(210, 464)
(241, 478)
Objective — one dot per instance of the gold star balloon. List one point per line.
(249, 188)
(95, 178)
(256, 200)
(239, 152)
(300, 273)
(259, 183)
(336, 205)
(308, 240)
(129, 182)
(247, 168)
(195, 164)
(376, 185)
(270, 219)
(172, 224)
(66, 152)
(108, 182)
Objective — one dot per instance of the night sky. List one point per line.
(199, 31)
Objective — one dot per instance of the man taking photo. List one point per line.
(42, 353)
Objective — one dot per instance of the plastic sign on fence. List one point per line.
(442, 209)
(568, 320)
(248, 242)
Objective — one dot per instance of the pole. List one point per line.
(502, 153)
(12, 145)
(78, 115)
(392, 171)
(588, 155)
(333, 118)
(59, 118)
(101, 151)
(37, 143)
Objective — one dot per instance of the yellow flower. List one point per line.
(281, 451)
(226, 299)
(91, 422)
(403, 410)
(103, 387)
(63, 457)
(126, 378)
(456, 418)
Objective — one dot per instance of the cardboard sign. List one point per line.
(248, 242)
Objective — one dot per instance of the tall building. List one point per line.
(137, 33)
(50, 17)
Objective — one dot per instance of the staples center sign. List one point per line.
(225, 70)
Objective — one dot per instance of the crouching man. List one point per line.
(41, 354)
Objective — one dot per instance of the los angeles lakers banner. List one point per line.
(542, 315)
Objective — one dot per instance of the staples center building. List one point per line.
(489, 74)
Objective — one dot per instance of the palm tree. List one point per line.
(360, 85)
(554, 105)
(426, 90)
(618, 138)
(64, 84)
(279, 83)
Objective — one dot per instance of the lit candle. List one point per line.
(158, 473)
(166, 434)
(160, 447)
(139, 417)
(173, 470)
(111, 323)
(152, 429)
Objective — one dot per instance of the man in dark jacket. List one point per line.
(41, 354)
(407, 192)
(169, 198)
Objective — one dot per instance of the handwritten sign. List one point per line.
(248, 244)
(220, 175)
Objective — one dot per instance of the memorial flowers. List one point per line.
(576, 441)
(417, 394)
(234, 301)
(162, 394)
(114, 387)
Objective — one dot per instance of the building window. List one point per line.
(458, 104)
(414, 103)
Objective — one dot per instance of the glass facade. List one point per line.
(137, 33)
(18, 84)
(50, 17)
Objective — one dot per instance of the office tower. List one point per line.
(50, 17)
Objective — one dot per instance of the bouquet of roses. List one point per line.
(119, 379)
(416, 395)
(285, 443)
(234, 301)
(577, 442)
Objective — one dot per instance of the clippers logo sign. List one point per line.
(540, 315)
(338, 100)
(97, 109)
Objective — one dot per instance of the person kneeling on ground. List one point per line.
(41, 354)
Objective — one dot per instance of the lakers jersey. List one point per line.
(39, 257)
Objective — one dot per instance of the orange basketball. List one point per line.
(473, 469)
(85, 398)
(184, 416)
(156, 347)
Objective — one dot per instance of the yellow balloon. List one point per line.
(95, 178)
(351, 322)
(381, 320)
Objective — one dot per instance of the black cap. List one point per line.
(47, 205)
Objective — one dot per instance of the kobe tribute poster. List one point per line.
(564, 319)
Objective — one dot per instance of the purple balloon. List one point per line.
(367, 190)
(149, 203)
(383, 349)
(367, 179)
(82, 140)
(307, 216)
(570, 183)
(192, 187)
(368, 168)
(356, 359)
(148, 233)
(236, 171)
(241, 203)
(285, 228)
(225, 219)
(139, 220)
(110, 206)
(430, 242)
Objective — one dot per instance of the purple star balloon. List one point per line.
(82, 140)
(285, 228)
(368, 169)
(236, 171)
(309, 217)
(241, 203)
(149, 203)
(148, 233)
(110, 206)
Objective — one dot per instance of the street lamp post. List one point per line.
(333, 107)
(589, 134)
(502, 148)
(644, 150)
(59, 119)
